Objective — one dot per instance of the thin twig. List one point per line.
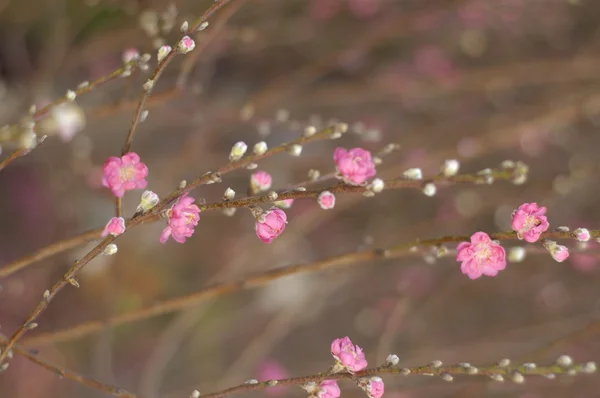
(69, 374)
(496, 372)
(259, 279)
(159, 70)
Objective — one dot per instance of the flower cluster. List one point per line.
(483, 256)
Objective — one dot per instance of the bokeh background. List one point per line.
(481, 81)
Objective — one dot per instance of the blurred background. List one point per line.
(481, 81)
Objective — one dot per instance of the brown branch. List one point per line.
(159, 70)
(259, 279)
(215, 28)
(496, 372)
(50, 250)
(14, 156)
(69, 374)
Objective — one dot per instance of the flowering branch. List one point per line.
(259, 279)
(498, 372)
(159, 70)
(399, 183)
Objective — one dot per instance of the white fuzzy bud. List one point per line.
(203, 25)
(71, 95)
(450, 167)
(429, 189)
(377, 185)
(110, 249)
(565, 361)
(295, 150)
(184, 27)
(195, 393)
(148, 85)
(392, 360)
(260, 148)
(309, 131)
(163, 51)
(238, 151)
(148, 201)
(229, 194)
(413, 174)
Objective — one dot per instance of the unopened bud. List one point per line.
(229, 194)
(148, 201)
(429, 189)
(110, 249)
(377, 185)
(238, 151)
(392, 360)
(163, 51)
(260, 148)
(450, 167)
(295, 150)
(413, 174)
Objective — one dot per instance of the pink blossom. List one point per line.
(329, 389)
(529, 220)
(481, 256)
(273, 370)
(260, 181)
(183, 218)
(124, 174)
(558, 252)
(582, 234)
(270, 224)
(355, 166)
(186, 44)
(326, 200)
(115, 227)
(347, 354)
(375, 387)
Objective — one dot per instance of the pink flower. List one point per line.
(270, 224)
(582, 234)
(481, 256)
(183, 218)
(260, 181)
(530, 221)
(329, 389)
(124, 174)
(272, 370)
(348, 355)
(326, 200)
(558, 252)
(355, 166)
(115, 227)
(375, 387)
(186, 45)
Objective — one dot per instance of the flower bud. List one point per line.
(413, 174)
(238, 151)
(450, 167)
(148, 201)
(260, 148)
